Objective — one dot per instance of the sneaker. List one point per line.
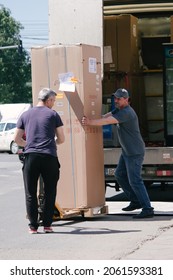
(143, 215)
(33, 231)
(131, 207)
(48, 229)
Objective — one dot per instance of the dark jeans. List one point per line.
(128, 176)
(48, 167)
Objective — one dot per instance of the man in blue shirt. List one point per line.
(128, 171)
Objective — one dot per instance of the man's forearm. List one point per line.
(102, 121)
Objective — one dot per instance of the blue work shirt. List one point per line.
(128, 131)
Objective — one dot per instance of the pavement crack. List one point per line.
(159, 232)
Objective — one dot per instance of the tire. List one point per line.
(14, 148)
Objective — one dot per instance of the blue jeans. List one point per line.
(128, 176)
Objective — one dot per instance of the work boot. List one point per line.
(131, 207)
(144, 214)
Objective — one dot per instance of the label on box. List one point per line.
(107, 56)
(92, 65)
(92, 103)
(60, 95)
(93, 112)
(67, 82)
(59, 104)
(134, 30)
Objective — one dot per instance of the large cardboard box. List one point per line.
(171, 27)
(121, 43)
(110, 43)
(127, 43)
(81, 183)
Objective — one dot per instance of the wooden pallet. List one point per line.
(84, 212)
(96, 211)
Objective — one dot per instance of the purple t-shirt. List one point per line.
(40, 124)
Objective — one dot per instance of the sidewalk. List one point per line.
(157, 238)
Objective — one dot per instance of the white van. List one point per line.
(7, 130)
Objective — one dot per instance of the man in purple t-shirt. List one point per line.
(43, 128)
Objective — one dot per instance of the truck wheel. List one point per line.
(14, 148)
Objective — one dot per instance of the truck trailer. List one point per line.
(133, 37)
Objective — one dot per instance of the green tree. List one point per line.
(15, 65)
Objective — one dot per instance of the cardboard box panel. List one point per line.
(110, 43)
(121, 43)
(81, 181)
(171, 21)
(127, 43)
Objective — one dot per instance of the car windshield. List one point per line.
(10, 126)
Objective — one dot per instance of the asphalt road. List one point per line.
(115, 236)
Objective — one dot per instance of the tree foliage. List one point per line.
(15, 65)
